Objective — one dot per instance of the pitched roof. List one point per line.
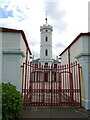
(36, 60)
(2, 29)
(75, 40)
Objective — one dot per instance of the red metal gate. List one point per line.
(49, 85)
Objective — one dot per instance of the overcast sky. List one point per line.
(68, 18)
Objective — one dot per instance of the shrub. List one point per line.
(12, 102)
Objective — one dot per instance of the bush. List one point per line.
(12, 102)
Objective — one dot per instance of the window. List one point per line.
(46, 77)
(46, 64)
(46, 52)
(46, 30)
(55, 65)
(46, 39)
(39, 63)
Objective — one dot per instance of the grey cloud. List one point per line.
(56, 15)
(33, 42)
(59, 44)
(36, 52)
(53, 10)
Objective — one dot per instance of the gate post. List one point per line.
(43, 87)
(79, 82)
(51, 82)
(84, 60)
(71, 87)
(30, 86)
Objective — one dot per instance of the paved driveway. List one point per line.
(54, 112)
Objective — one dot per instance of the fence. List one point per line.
(51, 85)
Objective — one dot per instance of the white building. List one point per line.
(79, 50)
(15, 50)
(46, 52)
(46, 46)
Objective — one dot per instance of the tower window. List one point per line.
(46, 64)
(46, 38)
(46, 30)
(55, 65)
(46, 52)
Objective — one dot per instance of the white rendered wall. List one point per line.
(42, 53)
(46, 34)
(86, 41)
(80, 51)
(23, 47)
(11, 69)
(81, 46)
(46, 45)
(11, 40)
(75, 49)
(84, 60)
(14, 52)
(64, 58)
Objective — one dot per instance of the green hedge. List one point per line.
(12, 102)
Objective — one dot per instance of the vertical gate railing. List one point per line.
(49, 85)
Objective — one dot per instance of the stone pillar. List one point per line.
(12, 60)
(84, 60)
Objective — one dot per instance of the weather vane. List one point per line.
(46, 17)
